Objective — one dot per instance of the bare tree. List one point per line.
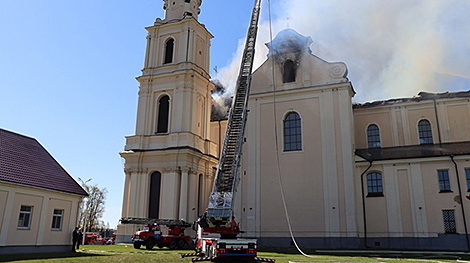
(92, 207)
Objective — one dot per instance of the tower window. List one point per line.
(425, 132)
(163, 111)
(289, 72)
(154, 198)
(373, 136)
(292, 132)
(374, 184)
(187, 1)
(169, 47)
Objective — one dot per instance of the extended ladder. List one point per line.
(220, 204)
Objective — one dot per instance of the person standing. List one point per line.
(75, 239)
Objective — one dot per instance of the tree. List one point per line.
(92, 207)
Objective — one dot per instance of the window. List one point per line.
(425, 132)
(444, 183)
(449, 221)
(374, 184)
(57, 219)
(199, 195)
(154, 198)
(292, 132)
(373, 136)
(289, 71)
(467, 175)
(163, 110)
(169, 51)
(24, 221)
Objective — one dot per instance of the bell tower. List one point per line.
(169, 162)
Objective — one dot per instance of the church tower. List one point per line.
(169, 162)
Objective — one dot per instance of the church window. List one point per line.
(289, 72)
(425, 132)
(163, 111)
(449, 221)
(373, 136)
(169, 47)
(444, 182)
(467, 175)
(292, 132)
(154, 198)
(199, 195)
(374, 184)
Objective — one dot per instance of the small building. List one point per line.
(39, 200)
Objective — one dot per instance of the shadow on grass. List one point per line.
(38, 256)
(373, 254)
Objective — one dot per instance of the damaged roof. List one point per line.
(24, 161)
(422, 96)
(415, 151)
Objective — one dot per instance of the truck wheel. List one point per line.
(181, 243)
(149, 244)
(160, 245)
(173, 244)
(137, 245)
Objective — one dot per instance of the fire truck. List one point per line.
(152, 235)
(217, 229)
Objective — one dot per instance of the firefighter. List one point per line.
(76, 238)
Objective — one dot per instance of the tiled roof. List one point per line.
(24, 161)
(415, 151)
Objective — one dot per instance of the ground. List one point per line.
(126, 253)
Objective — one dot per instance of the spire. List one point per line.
(177, 9)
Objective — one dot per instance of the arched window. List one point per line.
(154, 197)
(289, 72)
(169, 47)
(373, 136)
(374, 184)
(163, 111)
(292, 132)
(425, 132)
(199, 194)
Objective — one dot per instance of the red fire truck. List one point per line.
(152, 235)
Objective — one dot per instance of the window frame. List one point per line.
(467, 176)
(297, 135)
(166, 59)
(425, 136)
(57, 218)
(28, 215)
(448, 229)
(376, 192)
(378, 144)
(446, 181)
(292, 76)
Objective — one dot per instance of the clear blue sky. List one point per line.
(68, 68)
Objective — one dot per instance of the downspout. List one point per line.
(461, 201)
(437, 121)
(364, 204)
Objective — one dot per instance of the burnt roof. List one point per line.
(422, 96)
(415, 151)
(23, 160)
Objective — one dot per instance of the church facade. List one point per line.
(387, 175)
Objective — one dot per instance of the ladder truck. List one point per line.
(217, 230)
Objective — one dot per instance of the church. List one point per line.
(392, 174)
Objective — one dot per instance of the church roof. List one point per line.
(415, 151)
(24, 161)
(422, 96)
(288, 40)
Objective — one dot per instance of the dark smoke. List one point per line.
(221, 102)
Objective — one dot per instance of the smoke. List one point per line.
(392, 48)
(221, 102)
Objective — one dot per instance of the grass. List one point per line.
(126, 253)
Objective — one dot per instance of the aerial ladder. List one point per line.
(217, 230)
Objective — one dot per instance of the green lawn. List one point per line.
(126, 253)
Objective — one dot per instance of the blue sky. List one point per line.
(68, 68)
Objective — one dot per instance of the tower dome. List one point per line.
(177, 9)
